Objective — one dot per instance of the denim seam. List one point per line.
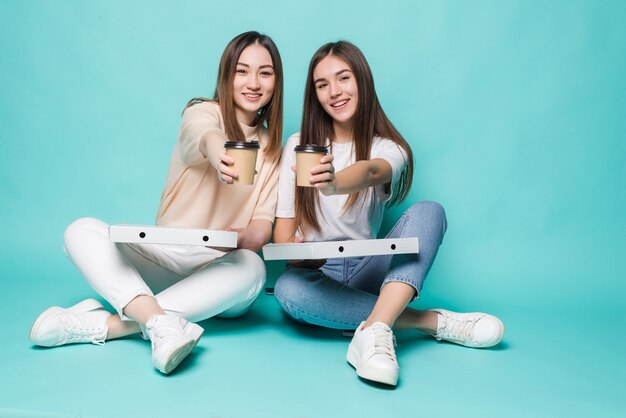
(362, 264)
(346, 274)
(405, 218)
(309, 314)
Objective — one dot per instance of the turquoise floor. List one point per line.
(515, 114)
(551, 364)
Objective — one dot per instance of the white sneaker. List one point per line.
(172, 338)
(85, 322)
(372, 354)
(475, 329)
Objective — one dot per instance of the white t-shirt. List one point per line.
(363, 220)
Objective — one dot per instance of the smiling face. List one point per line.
(336, 89)
(253, 84)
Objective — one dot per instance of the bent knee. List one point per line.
(252, 265)
(289, 288)
(431, 210)
(83, 226)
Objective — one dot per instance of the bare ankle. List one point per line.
(373, 320)
(428, 322)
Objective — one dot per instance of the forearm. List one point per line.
(361, 175)
(284, 230)
(211, 146)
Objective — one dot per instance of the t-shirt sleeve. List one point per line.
(201, 124)
(285, 207)
(397, 159)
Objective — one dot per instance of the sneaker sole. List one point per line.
(370, 373)
(194, 331)
(84, 306)
(177, 356)
(191, 330)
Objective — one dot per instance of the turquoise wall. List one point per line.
(514, 110)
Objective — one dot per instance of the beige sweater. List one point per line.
(194, 197)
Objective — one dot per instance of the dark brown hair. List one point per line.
(270, 115)
(369, 121)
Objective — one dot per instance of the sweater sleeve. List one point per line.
(266, 204)
(201, 134)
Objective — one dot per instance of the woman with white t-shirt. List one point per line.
(369, 165)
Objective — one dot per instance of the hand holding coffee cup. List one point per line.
(324, 175)
(225, 172)
(313, 166)
(239, 165)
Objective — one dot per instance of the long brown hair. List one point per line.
(369, 121)
(270, 115)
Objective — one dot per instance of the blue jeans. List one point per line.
(343, 292)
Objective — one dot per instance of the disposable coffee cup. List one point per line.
(244, 154)
(307, 157)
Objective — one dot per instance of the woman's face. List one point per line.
(336, 89)
(254, 82)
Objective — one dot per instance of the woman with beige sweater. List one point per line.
(161, 290)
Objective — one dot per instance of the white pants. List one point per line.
(192, 281)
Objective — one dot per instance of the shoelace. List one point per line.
(83, 333)
(383, 340)
(458, 329)
(161, 331)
